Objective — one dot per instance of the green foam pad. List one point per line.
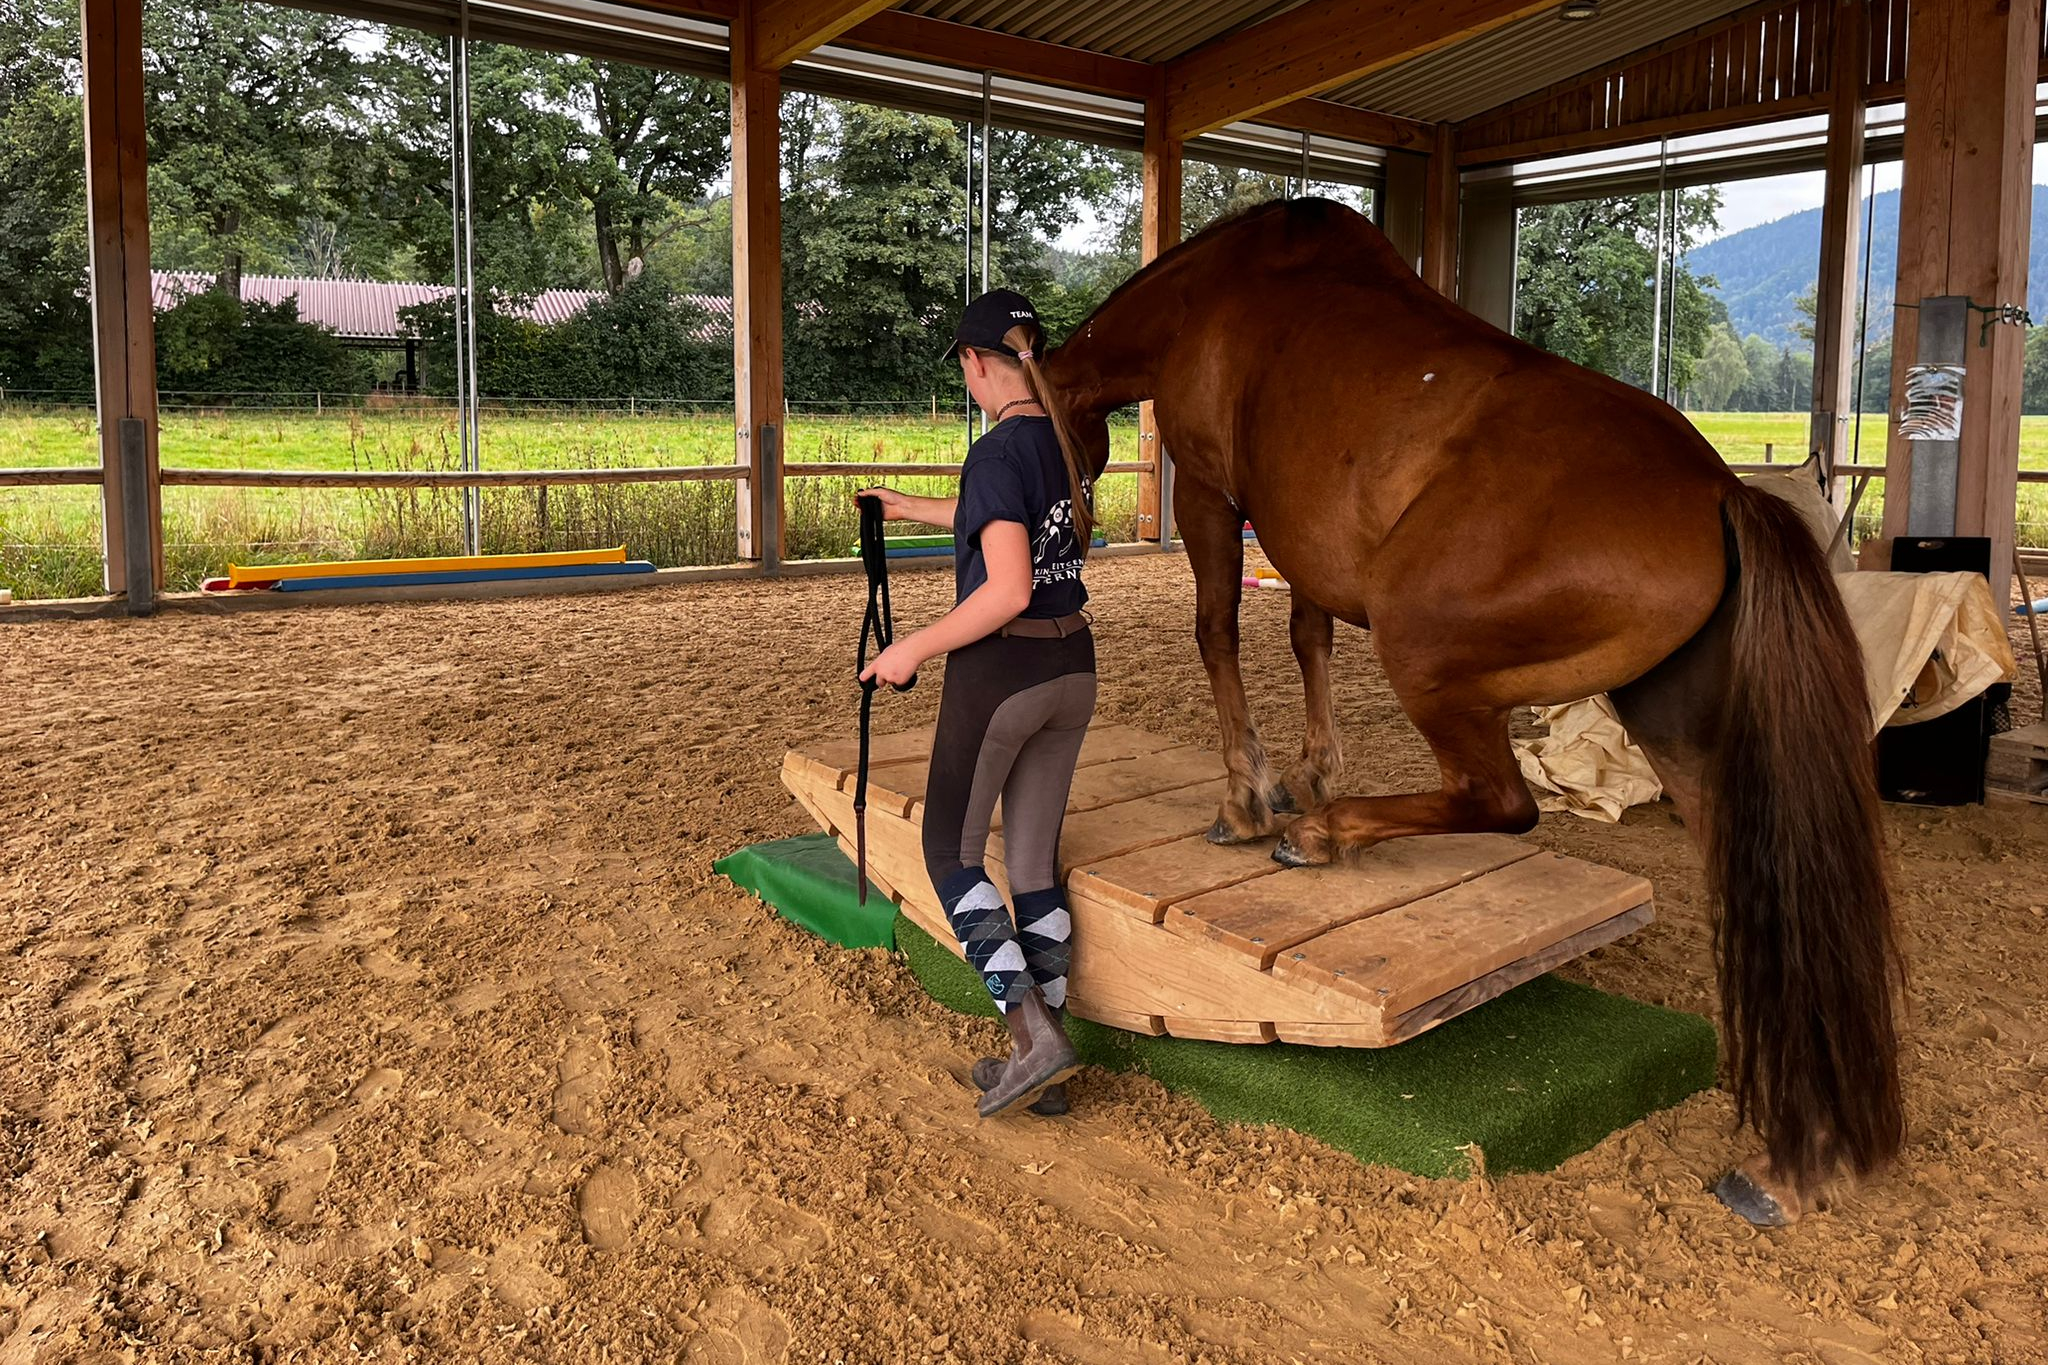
(810, 881)
(1529, 1079)
(1533, 1077)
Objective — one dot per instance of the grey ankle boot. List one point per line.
(1043, 1056)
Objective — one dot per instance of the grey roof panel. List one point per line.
(1142, 30)
(1516, 59)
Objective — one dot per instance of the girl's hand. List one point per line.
(895, 507)
(895, 665)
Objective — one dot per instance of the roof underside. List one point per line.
(1482, 73)
(1142, 30)
(1447, 85)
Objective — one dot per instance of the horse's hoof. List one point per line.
(1287, 855)
(1755, 1203)
(1222, 833)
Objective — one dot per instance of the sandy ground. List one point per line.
(369, 995)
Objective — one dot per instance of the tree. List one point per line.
(1586, 284)
(45, 322)
(254, 112)
(1722, 371)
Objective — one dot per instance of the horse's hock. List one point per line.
(1175, 935)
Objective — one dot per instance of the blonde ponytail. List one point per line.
(1026, 339)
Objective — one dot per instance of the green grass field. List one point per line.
(49, 537)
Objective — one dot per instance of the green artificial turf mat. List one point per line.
(1531, 1078)
(810, 880)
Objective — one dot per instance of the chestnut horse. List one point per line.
(1520, 531)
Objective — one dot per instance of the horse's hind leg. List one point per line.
(1212, 531)
(1482, 792)
(1306, 785)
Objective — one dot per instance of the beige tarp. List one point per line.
(1586, 764)
(1930, 643)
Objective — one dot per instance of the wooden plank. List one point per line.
(785, 30)
(1264, 917)
(1224, 1030)
(1117, 769)
(1149, 880)
(449, 478)
(1331, 119)
(1312, 48)
(757, 298)
(1103, 744)
(1473, 994)
(981, 49)
(1127, 826)
(1409, 955)
(842, 756)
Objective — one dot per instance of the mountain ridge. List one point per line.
(1762, 270)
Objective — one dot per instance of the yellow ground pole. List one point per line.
(239, 574)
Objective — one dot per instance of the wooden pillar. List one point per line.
(757, 298)
(1963, 227)
(1407, 187)
(1440, 214)
(124, 326)
(1486, 252)
(1835, 293)
(1160, 229)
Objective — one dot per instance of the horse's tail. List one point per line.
(1795, 857)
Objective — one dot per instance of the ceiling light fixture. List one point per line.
(1573, 10)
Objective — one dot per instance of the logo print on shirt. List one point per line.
(1055, 554)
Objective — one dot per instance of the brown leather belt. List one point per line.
(1046, 628)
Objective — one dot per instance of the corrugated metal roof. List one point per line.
(1142, 30)
(367, 310)
(1471, 77)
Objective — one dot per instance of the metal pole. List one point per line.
(472, 498)
(455, 211)
(1304, 164)
(987, 165)
(1657, 295)
(967, 260)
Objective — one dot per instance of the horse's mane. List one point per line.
(1313, 211)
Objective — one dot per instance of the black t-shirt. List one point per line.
(1016, 473)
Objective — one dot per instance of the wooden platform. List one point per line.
(1176, 935)
(2018, 766)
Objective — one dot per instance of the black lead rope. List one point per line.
(878, 627)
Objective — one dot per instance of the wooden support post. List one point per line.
(1406, 188)
(124, 325)
(1964, 216)
(757, 298)
(1160, 230)
(1440, 214)
(1486, 252)
(1835, 320)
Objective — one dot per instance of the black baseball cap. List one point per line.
(986, 320)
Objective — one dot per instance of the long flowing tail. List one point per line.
(1794, 851)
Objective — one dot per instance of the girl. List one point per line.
(1019, 692)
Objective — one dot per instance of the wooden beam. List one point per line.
(1648, 130)
(980, 49)
(1159, 230)
(784, 30)
(1308, 50)
(124, 321)
(1441, 192)
(1834, 376)
(1965, 211)
(1330, 119)
(757, 299)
